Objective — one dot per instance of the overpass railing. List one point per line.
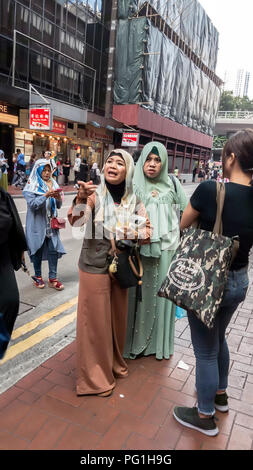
(235, 115)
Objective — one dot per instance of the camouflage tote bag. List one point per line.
(199, 269)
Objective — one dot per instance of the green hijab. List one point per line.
(158, 197)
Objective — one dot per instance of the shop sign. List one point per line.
(40, 119)
(99, 135)
(8, 113)
(59, 127)
(130, 139)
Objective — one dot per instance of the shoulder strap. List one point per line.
(220, 198)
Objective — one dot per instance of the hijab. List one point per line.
(158, 197)
(37, 185)
(115, 216)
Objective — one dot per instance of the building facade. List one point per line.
(60, 48)
(165, 83)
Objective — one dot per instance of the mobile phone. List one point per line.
(59, 189)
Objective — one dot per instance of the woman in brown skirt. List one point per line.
(110, 209)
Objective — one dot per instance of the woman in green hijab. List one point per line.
(150, 329)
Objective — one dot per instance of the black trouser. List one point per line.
(76, 176)
(66, 179)
(9, 296)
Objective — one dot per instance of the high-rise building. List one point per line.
(246, 84)
(239, 82)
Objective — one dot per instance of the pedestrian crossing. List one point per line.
(25, 343)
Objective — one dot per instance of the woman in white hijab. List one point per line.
(111, 208)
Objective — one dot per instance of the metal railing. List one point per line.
(235, 115)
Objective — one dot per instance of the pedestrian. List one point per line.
(84, 170)
(194, 171)
(43, 199)
(14, 161)
(95, 174)
(12, 246)
(31, 163)
(201, 174)
(49, 156)
(102, 303)
(3, 171)
(176, 172)
(214, 173)
(21, 170)
(66, 170)
(150, 328)
(77, 169)
(210, 346)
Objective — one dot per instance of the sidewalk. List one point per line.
(42, 411)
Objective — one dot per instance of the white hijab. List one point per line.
(114, 217)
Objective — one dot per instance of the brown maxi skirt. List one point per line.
(101, 331)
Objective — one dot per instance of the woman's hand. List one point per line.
(85, 190)
(53, 193)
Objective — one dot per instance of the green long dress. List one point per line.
(151, 329)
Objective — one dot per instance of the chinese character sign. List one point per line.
(130, 139)
(40, 118)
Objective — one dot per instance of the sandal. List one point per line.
(55, 284)
(38, 282)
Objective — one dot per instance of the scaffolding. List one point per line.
(158, 69)
(145, 9)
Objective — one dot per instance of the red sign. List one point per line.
(59, 127)
(130, 139)
(40, 118)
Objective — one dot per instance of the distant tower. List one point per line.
(238, 83)
(246, 84)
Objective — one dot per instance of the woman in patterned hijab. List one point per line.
(113, 210)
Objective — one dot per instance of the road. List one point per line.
(47, 318)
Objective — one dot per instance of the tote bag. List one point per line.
(199, 269)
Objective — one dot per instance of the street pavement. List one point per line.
(40, 410)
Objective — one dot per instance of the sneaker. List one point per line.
(221, 403)
(38, 282)
(189, 417)
(55, 284)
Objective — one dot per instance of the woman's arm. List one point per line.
(81, 209)
(34, 201)
(189, 216)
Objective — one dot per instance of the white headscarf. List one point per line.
(35, 183)
(115, 217)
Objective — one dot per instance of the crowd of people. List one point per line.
(21, 169)
(127, 204)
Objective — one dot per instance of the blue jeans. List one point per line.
(52, 259)
(210, 346)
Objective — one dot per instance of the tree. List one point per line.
(229, 102)
(219, 141)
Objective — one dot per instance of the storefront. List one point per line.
(93, 143)
(8, 121)
(37, 142)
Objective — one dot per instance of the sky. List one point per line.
(234, 21)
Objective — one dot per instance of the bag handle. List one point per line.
(220, 198)
(136, 273)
